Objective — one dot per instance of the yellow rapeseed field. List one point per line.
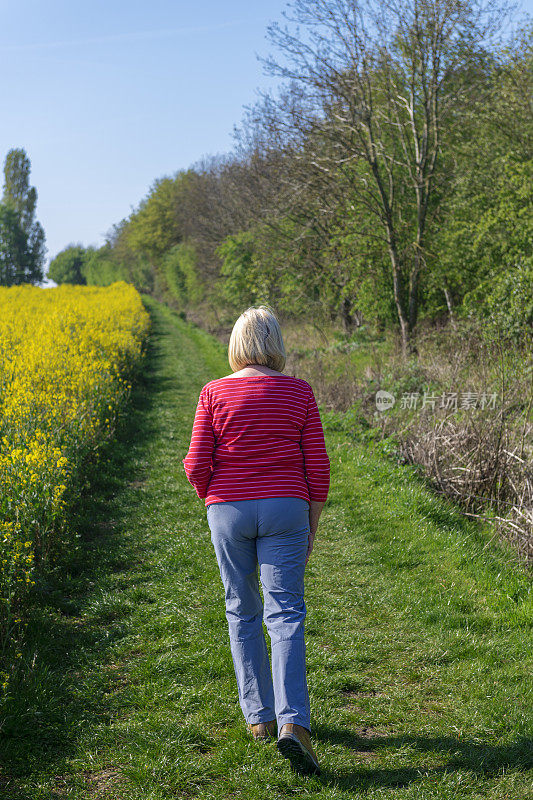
(66, 354)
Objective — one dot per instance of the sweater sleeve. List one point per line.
(198, 462)
(316, 460)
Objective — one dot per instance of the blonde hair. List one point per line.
(256, 339)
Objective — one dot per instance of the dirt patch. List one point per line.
(355, 690)
(137, 484)
(6, 782)
(105, 525)
(364, 741)
(103, 779)
(101, 784)
(369, 732)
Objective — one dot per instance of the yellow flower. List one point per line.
(62, 351)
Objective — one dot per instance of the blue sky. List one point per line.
(107, 96)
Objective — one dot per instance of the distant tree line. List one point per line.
(386, 181)
(22, 239)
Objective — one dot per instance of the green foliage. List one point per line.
(21, 235)
(100, 266)
(263, 265)
(489, 228)
(101, 269)
(179, 267)
(152, 229)
(68, 266)
(412, 380)
(295, 274)
(368, 282)
(139, 271)
(155, 227)
(244, 281)
(483, 244)
(497, 242)
(17, 191)
(13, 247)
(505, 303)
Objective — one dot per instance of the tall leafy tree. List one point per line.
(483, 241)
(21, 199)
(68, 265)
(13, 247)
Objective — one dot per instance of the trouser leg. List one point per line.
(233, 534)
(283, 534)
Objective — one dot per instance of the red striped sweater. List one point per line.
(257, 436)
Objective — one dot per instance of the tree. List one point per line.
(179, 268)
(375, 84)
(101, 268)
(154, 228)
(68, 265)
(485, 226)
(21, 198)
(13, 244)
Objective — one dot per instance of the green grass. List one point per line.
(418, 633)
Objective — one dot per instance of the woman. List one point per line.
(257, 456)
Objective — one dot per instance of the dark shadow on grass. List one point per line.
(486, 760)
(49, 701)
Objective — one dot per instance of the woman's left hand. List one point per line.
(310, 546)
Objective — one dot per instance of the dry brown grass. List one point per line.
(480, 457)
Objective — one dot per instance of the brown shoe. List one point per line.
(263, 730)
(294, 742)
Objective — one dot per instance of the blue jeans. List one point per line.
(272, 532)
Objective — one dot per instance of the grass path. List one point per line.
(418, 633)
